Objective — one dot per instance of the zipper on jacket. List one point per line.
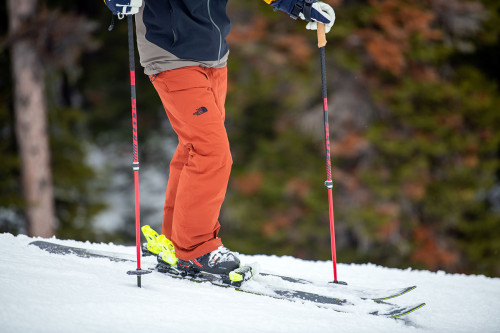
(172, 22)
(218, 29)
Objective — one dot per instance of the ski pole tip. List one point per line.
(339, 282)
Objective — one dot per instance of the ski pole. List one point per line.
(135, 152)
(329, 181)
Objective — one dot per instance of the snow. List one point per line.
(43, 292)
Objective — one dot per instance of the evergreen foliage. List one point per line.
(435, 143)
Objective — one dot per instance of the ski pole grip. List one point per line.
(321, 35)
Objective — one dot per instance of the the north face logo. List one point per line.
(200, 111)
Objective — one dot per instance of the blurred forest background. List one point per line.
(414, 120)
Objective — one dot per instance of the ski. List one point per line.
(262, 284)
(268, 278)
(80, 252)
(365, 293)
(324, 301)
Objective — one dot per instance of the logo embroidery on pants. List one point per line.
(200, 111)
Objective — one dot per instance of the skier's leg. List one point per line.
(178, 161)
(195, 115)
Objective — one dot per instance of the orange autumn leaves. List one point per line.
(392, 29)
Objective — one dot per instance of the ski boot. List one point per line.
(221, 263)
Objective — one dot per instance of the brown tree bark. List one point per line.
(28, 77)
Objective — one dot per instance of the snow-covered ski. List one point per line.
(365, 293)
(271, 285)
(282, 292)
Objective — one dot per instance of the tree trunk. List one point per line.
(31, 119)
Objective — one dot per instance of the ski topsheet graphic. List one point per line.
(337, 297)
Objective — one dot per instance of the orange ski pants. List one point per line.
(193, 98)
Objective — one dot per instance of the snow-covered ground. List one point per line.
(42, 292)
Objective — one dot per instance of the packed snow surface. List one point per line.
(43, 292)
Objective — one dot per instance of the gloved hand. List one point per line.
(324, 10)
(308, 10)
(124, 7)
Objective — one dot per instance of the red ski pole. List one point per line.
(329, 181)
(135, 151)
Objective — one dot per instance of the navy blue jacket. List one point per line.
(188, 31)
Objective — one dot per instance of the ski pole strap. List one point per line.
(321, 35)
(307, 9)
(304, 7)
(297, 9)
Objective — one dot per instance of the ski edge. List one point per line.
(412, 309)
(405, 291)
